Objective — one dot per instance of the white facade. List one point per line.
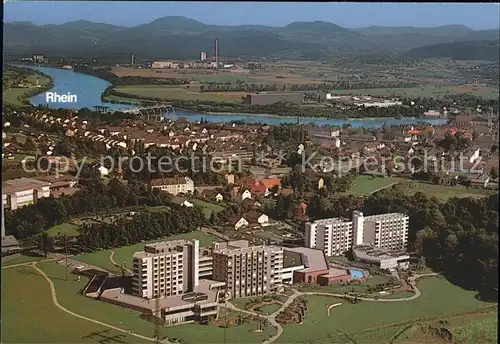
(166, 269)
(241, 222)
(336, 236)
(287, 273)
(181, 186)
(17, 193)
(203, 56)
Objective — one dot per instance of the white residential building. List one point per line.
(248, 270)
(174, 186)
(166, 268)
(336, 236)
(17, 193)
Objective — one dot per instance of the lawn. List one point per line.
(180, 92)
(269, 309)
(439, 298)
(124, 254)
(367, 185)
(63, 229)
(19, 259)
(444, 192)
(207, 207)
(100, 259)
(67, 292)
(33, 318)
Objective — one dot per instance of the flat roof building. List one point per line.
(336, 236)
(384, 258)
(272, 98)
(247, 270)
(166, 268)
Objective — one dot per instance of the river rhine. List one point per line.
(88, 90)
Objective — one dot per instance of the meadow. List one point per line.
(366, 185)
(33, 318)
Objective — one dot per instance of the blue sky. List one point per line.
(474, 15)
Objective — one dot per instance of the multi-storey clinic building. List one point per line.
(247, 270)
(336, 236)
(166, 269)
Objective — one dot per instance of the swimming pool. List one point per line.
(356, 273)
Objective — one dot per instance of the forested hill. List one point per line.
(183, 38)
(469, 50)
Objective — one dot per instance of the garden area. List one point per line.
(439, 298)
(207, 207)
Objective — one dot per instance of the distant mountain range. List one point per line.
(183, 38)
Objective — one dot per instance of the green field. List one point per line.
(180, 92)
(63, 229)
(12, 95)
(439, 298)
(444, 192)
(366, 185)
(33, 318)
(19, 259)
(207, 207)
(46, 329)
(123, 255)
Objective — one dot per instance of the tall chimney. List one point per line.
(217, 52)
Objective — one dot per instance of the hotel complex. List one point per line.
(166, 269)
(247, 270)
(335, 236)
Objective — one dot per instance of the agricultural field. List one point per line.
(439, 299)
(428, 91)
(123, 255)
(33, 318)
(180, 92)
(11, 95)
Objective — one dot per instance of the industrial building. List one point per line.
(336, 236)
(203, 56)
(247, 270)
(264, 98)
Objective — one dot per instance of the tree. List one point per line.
(494, 173)
(45, 244)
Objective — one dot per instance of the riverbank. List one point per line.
(89, 90)
(19, 96)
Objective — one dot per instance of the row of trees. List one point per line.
(142, 227)
(94, 198)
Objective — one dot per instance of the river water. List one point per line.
(88, 90)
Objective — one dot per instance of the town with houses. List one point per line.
(249, 199)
